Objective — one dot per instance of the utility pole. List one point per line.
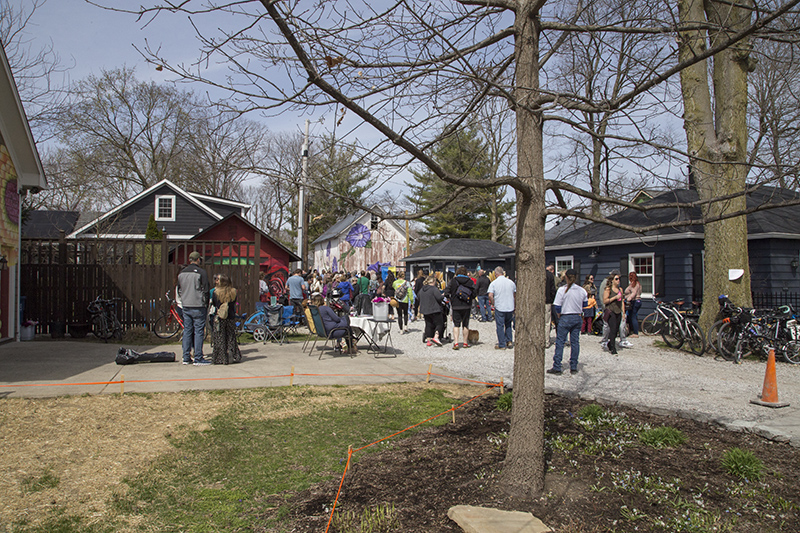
(302, 228)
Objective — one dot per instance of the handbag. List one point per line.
(394, 303)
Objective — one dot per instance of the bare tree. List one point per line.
(410, 70)
(38, 72)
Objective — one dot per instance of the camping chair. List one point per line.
(322, 334)
(290, 320)
(311, 328)
(273, 329)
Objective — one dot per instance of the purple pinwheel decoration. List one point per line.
(359, 236)
(328, 249)
(335, 265)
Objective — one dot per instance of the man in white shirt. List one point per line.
(502, 294)
(569, 303)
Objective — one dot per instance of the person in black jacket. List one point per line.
(483, 296)
(418, 284)
(461, 303)
(430, 304)
(550, 296)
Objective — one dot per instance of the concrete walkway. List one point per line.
(45, 368)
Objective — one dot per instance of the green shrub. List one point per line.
(743, 464)
(504, 402)
(663, 437)
(591, 412)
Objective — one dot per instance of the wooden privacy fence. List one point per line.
(60, 277)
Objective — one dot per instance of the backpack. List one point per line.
(222, 312)
(463, 293)
(401, 291)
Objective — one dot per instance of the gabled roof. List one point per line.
(460, 250)
(16, 132)
(346, 223)
(781, 222)
(193, 198)
(48, 224)
(292, 256)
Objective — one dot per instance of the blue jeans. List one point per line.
(633, 318)
(568, 325)
(503, 321)
(194, 325)
(483, 305)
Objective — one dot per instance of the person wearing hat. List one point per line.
(568, 304)
(193, 288)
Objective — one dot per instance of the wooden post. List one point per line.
(428, 380)
(454, 413)
(291, 378)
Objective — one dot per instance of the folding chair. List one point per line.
(322, 334)
(273, 330)
(290, 320)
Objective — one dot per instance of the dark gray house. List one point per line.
(669, 262)
(181, 214)
(449, 254)
(40, 224)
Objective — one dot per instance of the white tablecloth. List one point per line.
(376, 330)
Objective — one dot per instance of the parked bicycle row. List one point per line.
(737, 333)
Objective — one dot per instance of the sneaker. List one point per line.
(626, 344)
(554, 371)
(201, 362)
(509, 345)
(436, 341)
(429, 343)
(498, 347)
(573, 371)
(189, 362)
(455, 346)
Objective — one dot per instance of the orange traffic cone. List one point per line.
(769, 394)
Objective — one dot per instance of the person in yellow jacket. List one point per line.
(404, 295)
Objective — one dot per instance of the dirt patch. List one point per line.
(72, 452)
(629, 487)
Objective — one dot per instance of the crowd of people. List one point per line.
(571, 307)
(575, 309)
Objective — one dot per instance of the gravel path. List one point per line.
(644, 376)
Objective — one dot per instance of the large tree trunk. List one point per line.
(523, 473)
(716, 132)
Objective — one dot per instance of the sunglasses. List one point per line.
(616, 277)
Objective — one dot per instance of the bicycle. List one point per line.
(654, 322)
(104, 321)
(170, 323)
(744, 333)
(680, 328)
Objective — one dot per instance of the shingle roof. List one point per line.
(784, 220)
(460, 249)
(48, 224)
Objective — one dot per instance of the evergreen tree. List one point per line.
(475, 214)
(338, 179)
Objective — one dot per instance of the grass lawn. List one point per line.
(229, 473)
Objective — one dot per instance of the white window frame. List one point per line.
(170, 218)
(564, 259)
(652, 276)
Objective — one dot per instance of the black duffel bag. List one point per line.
(126, 356)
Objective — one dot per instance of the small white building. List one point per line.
(358, 241)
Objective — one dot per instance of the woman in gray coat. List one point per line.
(430, 305)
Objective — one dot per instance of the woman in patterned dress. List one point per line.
(226, 349)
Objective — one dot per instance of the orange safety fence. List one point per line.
(350, 449)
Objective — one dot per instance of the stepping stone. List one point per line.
(485, 520)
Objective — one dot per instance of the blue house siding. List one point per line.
(222, 208)
(189, 219)
(771, 265)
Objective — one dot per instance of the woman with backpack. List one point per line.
(223, 333)
(461, 292)
(404, 295)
